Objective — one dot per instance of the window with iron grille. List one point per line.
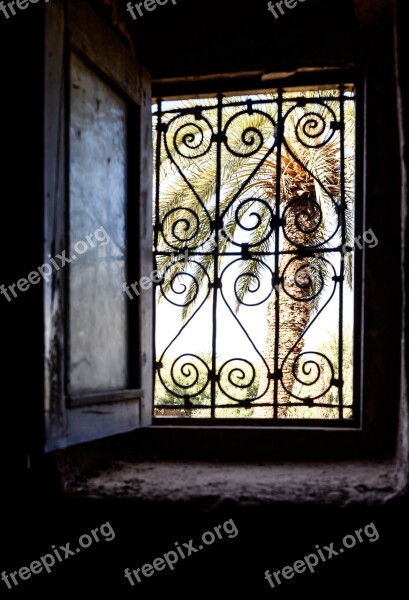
(255, 213)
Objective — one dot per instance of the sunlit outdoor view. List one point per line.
(253, 238)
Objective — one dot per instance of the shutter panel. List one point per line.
(98, 187)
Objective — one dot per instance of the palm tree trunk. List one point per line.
(294, 313)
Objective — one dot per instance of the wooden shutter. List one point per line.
(98, 174)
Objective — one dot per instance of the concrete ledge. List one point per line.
(245, 484)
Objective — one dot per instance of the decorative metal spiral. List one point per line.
(190, 139)
(179, 282)
(251, 137)
(302, 218)
(303, 281)
(259, 286)
(238, 376)
(318, 377)
(190, 377)
(249, 209)
(315, 129)
(180, 227)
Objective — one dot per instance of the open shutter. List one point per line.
(98, 174)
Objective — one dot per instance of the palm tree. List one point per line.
(310, 180)
(300, 176)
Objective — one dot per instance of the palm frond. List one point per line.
(190, 185)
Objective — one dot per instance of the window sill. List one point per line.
(340, 483)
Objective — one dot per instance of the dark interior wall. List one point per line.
(270, 537)
(191, 39)
(21, 241)
(232, 36)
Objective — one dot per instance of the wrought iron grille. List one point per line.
(253, 228)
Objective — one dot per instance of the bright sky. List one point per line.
(231, 340)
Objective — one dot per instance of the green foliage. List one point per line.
(329, 348)
(200, 396)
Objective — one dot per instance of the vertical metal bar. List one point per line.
(280, 134)
(342, 273)
(157, 194)
(216, 251)
(359, 270)
(156, 235)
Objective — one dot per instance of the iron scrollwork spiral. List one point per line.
(189, 376)
(260, 219)
(180, 226)
(302, 219)
(316, 374)
(252, 137)
(258, 283)
(240, 374)
(315, 129)
(303, 281)
(191, 139)
(181, 287)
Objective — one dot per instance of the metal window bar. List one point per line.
(255, 192)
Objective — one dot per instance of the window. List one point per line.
(255, 213)
(244, 186)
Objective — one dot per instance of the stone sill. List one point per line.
(335, 483)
